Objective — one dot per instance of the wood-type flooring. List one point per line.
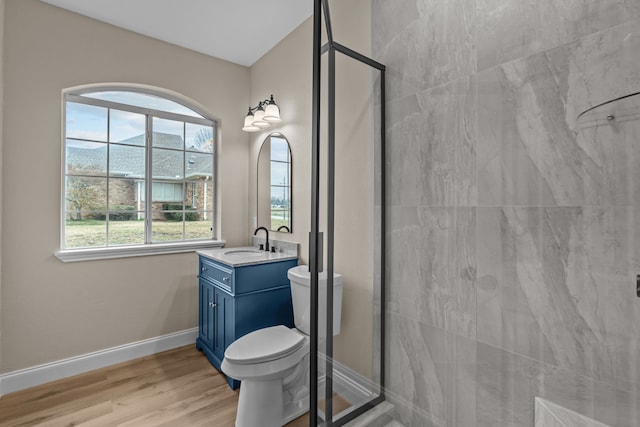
(175, 388)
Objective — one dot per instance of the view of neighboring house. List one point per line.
(175, 178)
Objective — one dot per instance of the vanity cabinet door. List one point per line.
(223, 307)
(225, 311)
(207, 314)
(216, 324)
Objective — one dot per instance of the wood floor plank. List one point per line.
(189, 411)
(79, 416)
(152, 399)
(34, 399)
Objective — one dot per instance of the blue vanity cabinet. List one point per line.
(236, 300)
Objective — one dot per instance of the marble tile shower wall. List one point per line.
(513, 231)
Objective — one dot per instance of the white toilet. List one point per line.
(273, 363)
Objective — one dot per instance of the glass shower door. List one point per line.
(350, 195)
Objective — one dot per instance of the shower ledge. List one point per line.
(549, 414)
(379, 416)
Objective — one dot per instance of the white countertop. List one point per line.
(245, 255)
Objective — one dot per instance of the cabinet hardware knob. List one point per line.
(204, 268)
(212, 304)
(225, 279)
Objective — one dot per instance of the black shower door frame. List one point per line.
(320, 9)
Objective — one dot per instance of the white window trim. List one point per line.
(110, 252)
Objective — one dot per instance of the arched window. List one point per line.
(138, 170)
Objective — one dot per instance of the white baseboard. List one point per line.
(30, 377)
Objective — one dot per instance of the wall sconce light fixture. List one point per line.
(262, 115)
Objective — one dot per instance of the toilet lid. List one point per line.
(264, 345)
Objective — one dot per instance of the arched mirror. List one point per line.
(274, 184)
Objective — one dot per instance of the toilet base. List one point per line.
(267, 404)
(260, 404)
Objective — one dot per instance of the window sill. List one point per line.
(90, 254)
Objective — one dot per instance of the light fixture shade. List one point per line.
(248, 124)
(272, 113)
(258, 119)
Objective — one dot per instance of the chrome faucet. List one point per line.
(266, 246)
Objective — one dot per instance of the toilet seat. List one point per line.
(264, 345)
(277, 367)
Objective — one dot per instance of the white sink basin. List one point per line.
(244, 253)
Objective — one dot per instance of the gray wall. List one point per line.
(514, 230)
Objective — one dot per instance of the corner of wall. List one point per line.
(1, 149)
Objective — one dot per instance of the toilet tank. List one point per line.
(301, 297)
